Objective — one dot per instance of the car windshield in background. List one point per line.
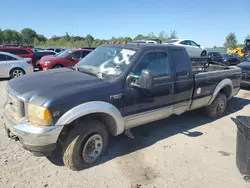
(107, 62)
(170, 41)
(63, 54)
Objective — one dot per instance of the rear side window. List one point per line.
(2, 57)
(19, 52)
(15, 51)
(181, 62)
(9, 58)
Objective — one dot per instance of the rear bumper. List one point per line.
(32, 137)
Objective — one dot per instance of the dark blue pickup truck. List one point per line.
(112, 89)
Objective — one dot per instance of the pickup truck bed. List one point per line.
(114, 88)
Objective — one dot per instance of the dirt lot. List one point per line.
(183, 151)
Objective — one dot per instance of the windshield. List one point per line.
(107, 62)
(63, 54)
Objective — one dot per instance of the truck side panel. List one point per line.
(206, 82)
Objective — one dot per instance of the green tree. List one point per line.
(28, 35)
(140, 37)
(247, 37)
(231, 41)
(41, 38)
(1, 37)
(173, 35)
(7, 35)
(89, 40)
(162, 36)
(215, 46)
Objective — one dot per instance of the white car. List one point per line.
(193, 49)
(12, 66)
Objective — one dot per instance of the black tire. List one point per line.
(204, 54)
(16, 72)
(57, 66)
(79, 139)
(218, 106)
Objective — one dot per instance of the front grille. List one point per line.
(15, 108)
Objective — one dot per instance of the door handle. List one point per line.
(172, 88)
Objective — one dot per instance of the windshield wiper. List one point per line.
(87, 71)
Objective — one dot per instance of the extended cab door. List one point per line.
(145, 105)
(183, 79)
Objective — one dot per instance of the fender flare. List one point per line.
(90, 108)
(224, 83)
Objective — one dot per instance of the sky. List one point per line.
(205, 22)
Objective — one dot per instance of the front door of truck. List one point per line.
(160, 96)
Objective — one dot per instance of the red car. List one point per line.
(20, 51)
(67, 58)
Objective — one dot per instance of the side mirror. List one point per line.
(145, 81)
(198, 45)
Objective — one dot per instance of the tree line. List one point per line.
(231, 41)
(28, 36)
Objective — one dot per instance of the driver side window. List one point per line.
(156, 62)
(76, 55)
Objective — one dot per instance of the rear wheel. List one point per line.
(218, 106)
(85, 144)
(16, 72)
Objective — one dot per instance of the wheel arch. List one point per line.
(103, 111)
(225, 87)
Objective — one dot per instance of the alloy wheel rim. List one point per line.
(17, 73)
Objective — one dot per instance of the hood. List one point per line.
(41, 87)
(244, 65)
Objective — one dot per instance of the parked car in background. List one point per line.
(20, 51)
(193, 49)
(13, 66)
(41, 53)
(67, 58)
(215, 56)
(57, 50)
(245, 67)
(149, 41)
(230, 59)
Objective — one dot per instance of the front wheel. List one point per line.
(218, 106)
(57, 66)
(16, 72)
(204, 54)
(85, 144)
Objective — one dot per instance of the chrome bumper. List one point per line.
(33, 137)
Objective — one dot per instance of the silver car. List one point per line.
(12, 66)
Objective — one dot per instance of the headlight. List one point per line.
(46, 62)
(39, 115)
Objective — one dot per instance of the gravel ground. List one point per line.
(188, 151)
